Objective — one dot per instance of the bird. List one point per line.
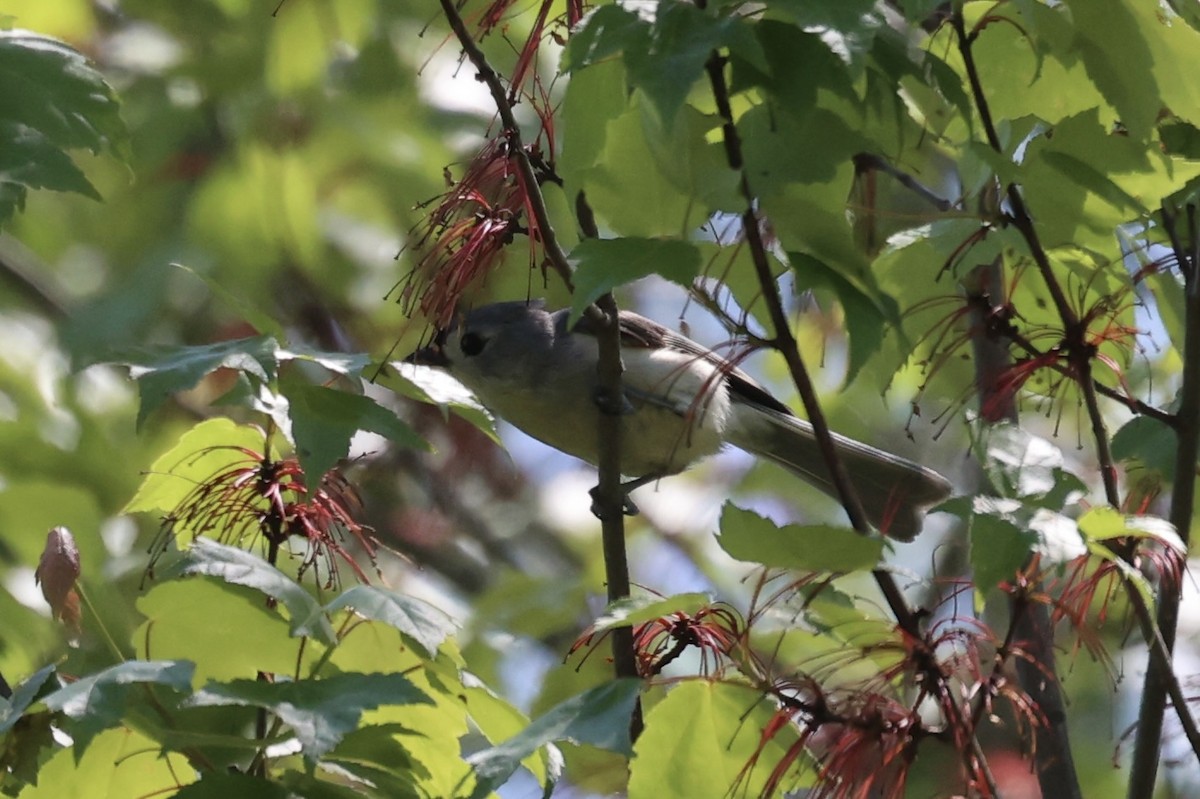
(535, 369)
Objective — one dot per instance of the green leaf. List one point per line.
(117, 763)
(498, 721)
(605, 32)
(417, 619)
(1019, 463)
(704, 739)
(435, 386)
(164, 371)
(998, 548)
(681, 39)
(378, 754)
(648, 607)
(1149, 441)
(51, 100)
(50, 87)
(595, 97)
(232, 785)
(603, 264)
(1103, 522)
(1180, 138)
(599, 717)
(106, 698)
(263, 322)
(325, 419)
(320, 712)
(239, 567)
(348, 364)
(749, 537)
(1105, 27)
(227, 630)
(25, 694)
(212, 446)
(30, 160)
(658, 207)
(1055, 537)
(867, 314)
(312, 786)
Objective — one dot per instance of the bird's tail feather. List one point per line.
(894, 491)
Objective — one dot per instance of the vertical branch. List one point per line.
(610, 495)
(1159, 675)
(1029, 622)
(610, 500)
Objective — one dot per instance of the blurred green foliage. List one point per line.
(207, 208)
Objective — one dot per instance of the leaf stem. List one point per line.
(108, 638)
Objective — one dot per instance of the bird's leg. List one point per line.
(613, 406)
(628, 507)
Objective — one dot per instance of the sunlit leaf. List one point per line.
(700, 739)
(499, 721)
(227, 630)
(1020, 463)
(1103, 522)
(240, 567)
(435, 386)
(207, 449)
(1055, 538)
(120, 762)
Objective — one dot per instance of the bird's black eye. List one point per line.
(472, 344)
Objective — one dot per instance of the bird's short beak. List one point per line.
(432, 355)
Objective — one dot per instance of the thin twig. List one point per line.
(1020, 218)
(864, 161)
(490, 78)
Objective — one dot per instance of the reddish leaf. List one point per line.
(57, 571)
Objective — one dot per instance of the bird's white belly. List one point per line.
(684, 422)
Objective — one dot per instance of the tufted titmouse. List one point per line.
(684, 403)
